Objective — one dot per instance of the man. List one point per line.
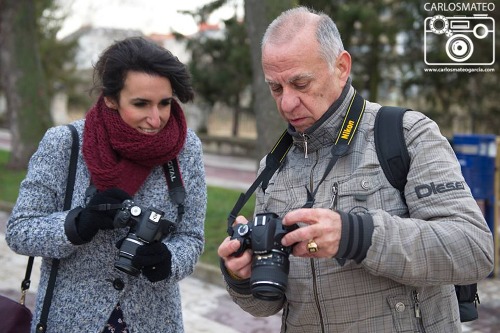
(363, 260)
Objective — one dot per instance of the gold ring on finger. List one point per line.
(312, 247)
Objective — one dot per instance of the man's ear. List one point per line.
(343, 65)
(110, 103)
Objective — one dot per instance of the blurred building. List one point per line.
(91, 43)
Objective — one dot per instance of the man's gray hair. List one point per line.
(291, 21)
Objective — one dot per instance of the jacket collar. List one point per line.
(324, 132)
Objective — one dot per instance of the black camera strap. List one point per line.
(277, 155)
(273, 161)
(176, 189)
(352, 119)
(70, 184)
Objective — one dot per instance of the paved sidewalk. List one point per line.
(207, 307)
(230, 172)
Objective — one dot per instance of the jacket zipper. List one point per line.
(417, 304)
(316, 298)
(311, 176)
(305, 137)
(315, 284)
(335, 192)
(418, 314)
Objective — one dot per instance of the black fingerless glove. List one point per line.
(155, 260)
(82, 224)
(241, 286)
(356, 236)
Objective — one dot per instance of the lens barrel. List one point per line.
(127, 252)
(269, 278)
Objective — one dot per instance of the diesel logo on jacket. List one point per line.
(426, 190)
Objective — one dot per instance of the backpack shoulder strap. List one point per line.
(391, 146)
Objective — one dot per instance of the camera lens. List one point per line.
(127, 252)
(125, 265)
(269, 278)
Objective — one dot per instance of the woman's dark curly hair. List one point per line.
(140, 55)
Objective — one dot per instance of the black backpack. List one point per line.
(395, 161)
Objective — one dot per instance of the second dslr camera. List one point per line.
(270, 263)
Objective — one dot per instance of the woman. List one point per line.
(129, 141)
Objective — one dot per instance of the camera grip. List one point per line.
(241, 232)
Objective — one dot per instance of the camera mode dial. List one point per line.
(242, 230)
(135, 211)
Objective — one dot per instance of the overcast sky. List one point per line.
(159, 16)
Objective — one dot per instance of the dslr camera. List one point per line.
(146, 226)
(270, 263)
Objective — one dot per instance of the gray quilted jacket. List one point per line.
(88, 286)
(418, 251)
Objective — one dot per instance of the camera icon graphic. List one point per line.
(459, 40)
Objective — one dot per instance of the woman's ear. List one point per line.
(110, 103)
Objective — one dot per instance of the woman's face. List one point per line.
(144, 102)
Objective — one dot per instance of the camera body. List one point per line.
(466, 40)
(147, 225)
(270, 263)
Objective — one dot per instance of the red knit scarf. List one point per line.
(118, 155)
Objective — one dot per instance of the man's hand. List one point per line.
(240, 265)
(324, 227)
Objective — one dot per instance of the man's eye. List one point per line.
(301, 85)
(275, 88)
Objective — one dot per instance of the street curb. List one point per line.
(209, 274)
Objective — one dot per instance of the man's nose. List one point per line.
(289, 100)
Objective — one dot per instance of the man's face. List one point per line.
(301, 82)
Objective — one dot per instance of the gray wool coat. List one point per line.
(88, 286)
